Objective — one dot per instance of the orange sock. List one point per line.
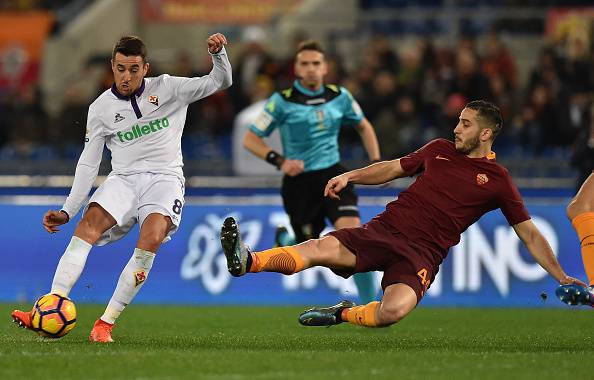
(584, 226)
(361, 315)
(285, 260)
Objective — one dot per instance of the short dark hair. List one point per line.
(130, 46)
(489, 114)
(310, 45)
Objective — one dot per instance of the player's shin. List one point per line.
(584, 226)
(285, 260)
(130, 282)
(70, 266)
(364, 315)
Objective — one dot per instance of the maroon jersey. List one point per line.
(451, 193)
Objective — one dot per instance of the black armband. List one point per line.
(275, 159)
(67, 216)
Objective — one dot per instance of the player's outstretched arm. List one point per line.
(540, 249)
(374, 174)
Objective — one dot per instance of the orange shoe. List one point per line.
(22, 319)
(101, 332)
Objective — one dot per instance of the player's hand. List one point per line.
(52, 219)
(335, 185)
(216, 42)
(292, 167)
(567, 280)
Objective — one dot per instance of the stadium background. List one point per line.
(411, 65)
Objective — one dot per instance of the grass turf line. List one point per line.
(179, 342)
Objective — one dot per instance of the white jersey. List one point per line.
(143, 131)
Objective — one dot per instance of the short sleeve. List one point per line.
(414, 163)
(510, 202)
(353, 114)
(269, 118)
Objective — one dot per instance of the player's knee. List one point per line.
(390, 314)
(326, 248)
(87, 231)
(317, 251)
(312, 250)
(576, 207)
(151, 241)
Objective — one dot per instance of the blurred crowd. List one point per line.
(410, 93)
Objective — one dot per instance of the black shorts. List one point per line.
(304, 201)
(380, 248)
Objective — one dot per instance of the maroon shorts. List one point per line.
(381, 248)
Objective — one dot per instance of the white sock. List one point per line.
(130, 282)
(70, 266)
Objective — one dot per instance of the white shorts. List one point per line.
(129, 199)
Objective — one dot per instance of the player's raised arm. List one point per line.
(220, 74)
(216, 42)
(540, 249)
(220, 77)
(374, 174)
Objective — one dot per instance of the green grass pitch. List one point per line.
(175, 342)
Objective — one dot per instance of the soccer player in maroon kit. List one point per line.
(457, 183)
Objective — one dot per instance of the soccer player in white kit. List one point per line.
(141, 121)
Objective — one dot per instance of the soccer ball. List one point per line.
(53, 316)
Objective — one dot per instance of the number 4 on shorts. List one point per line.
(423, 276)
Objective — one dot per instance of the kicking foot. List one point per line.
(574, 294)
(22, 319)
(325, 316)
(235, 251)
(101, 332)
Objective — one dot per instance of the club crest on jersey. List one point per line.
(139, 277)
(118, 118)
(481, 179)
(153, 99)
(320, 116)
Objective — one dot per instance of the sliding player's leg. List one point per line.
(406, 277)
(326, 251)
(398, 301)
(364, 281)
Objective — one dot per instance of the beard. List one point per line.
(469, 145)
